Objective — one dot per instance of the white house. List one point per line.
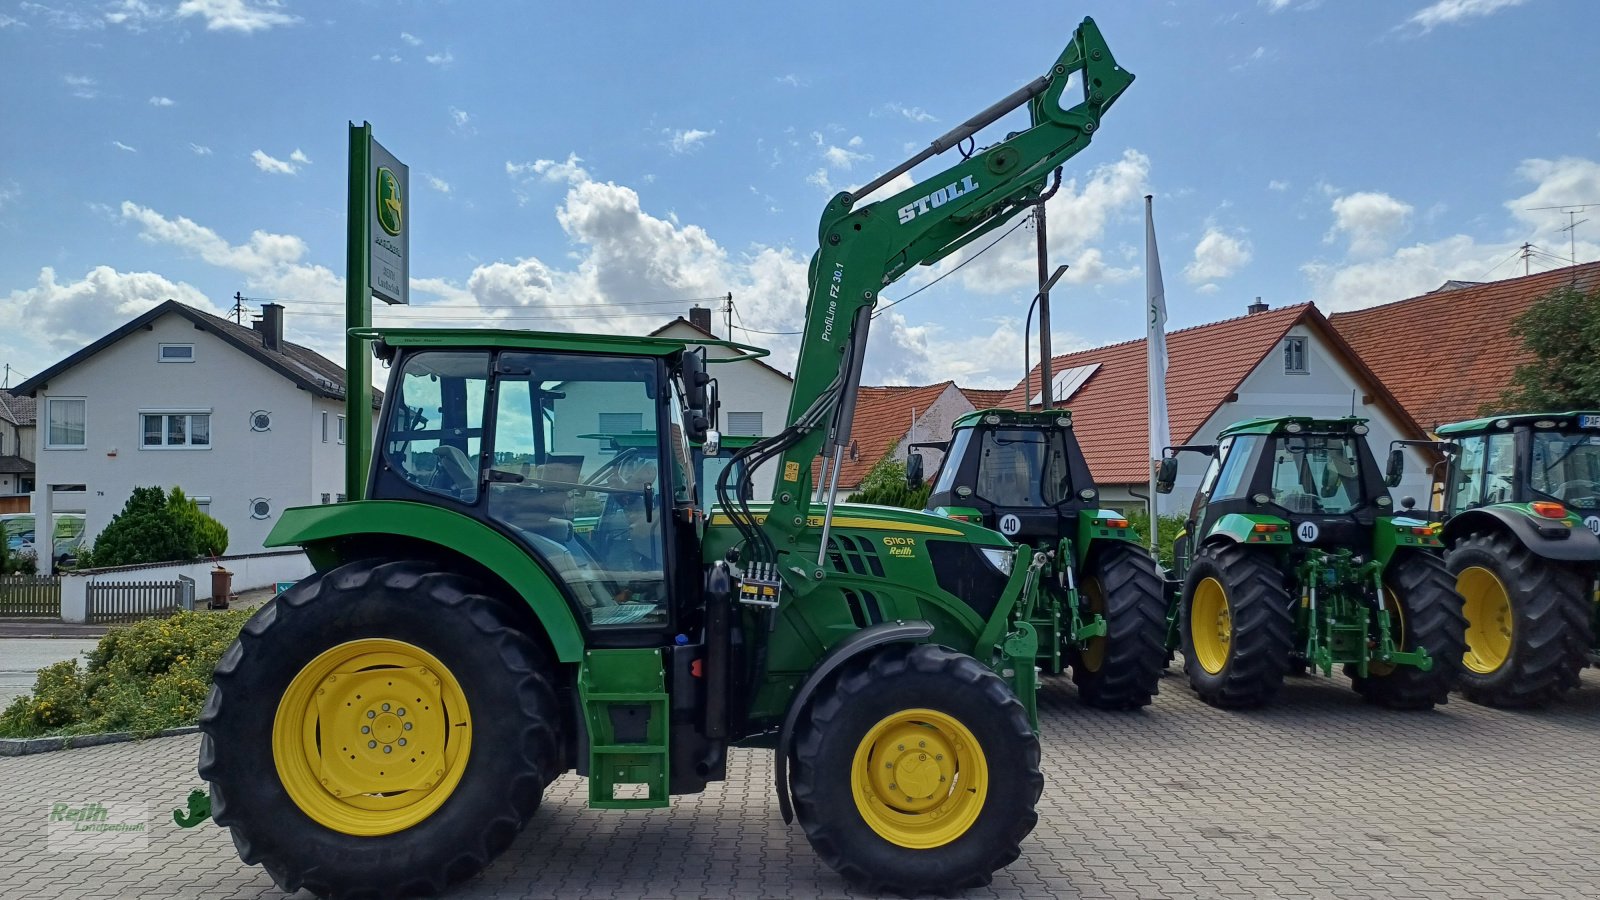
(755, 396)
(1271, 362)
(16, 451)
(243, 421)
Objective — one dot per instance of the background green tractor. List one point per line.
(1291, 559)
(518, 590)
(1104, 615)
(1522, 501)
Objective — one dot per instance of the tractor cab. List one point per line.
(1533, 458)
(1019, 473)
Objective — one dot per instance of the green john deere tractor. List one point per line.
(388, 725)
(1522, 501)
(1104, 614)
(1291, 559)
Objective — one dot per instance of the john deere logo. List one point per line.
(389, 201)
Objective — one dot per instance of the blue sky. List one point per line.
(596, 166)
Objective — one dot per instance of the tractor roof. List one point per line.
(622, 345)
(1275, 424)
(1508, 421)
(1036, 418)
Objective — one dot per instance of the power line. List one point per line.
(626, 303)
(955, 268)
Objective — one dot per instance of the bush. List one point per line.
(885, 485)
(1169, 528)
(154, 527)
(144, 678)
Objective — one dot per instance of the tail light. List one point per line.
(1549, 510)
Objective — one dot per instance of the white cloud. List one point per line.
(1454, 12)
(438, 184)
(83, 86)
(687, 139)
(124, 147)
(6, 21)
(441, 60)
(411, 39)
(199, 149)
(792, 80)
(49, 319)
(1370, 220)
(299, 157)
(1217, 255)
(461, 121)
(1277, 185)
(1422, 267)
(1276, 5)
(133, 14)
(9, 192)
(272, 165)
(244, 16)
(913, 113)
(161, 101)
(843, 158)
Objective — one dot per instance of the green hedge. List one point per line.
(144, 678)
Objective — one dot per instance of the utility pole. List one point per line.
(238, 308)
(727, 315)
(1044, 309)
(1527, 251)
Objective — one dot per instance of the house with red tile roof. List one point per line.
(1448, 353)
(1286, 361)
(889, 419)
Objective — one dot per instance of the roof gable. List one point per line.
(1447, 353)
(883, 418)
(18, 410)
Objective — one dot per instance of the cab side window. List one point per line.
(435, 434)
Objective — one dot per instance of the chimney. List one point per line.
(700, 317)
(272, 326)
(1257, 307)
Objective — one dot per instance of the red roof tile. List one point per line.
(982, 398)
(882, 419)
(1448, 353)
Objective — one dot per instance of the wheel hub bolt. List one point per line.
(371, 714)
(402, 742)
(371, 744)
(408, 726)
(400, 712)
(387, 748)
(365, 729)
(893, 786)
(386, 707)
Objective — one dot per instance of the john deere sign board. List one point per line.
(389, 227)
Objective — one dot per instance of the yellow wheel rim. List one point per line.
(919, 778)
(1094, 651)
(1210, 625)
(371, 737)
(1490, 624)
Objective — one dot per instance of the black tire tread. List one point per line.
(1136, 630)
(1552, 611)
(527, 680)
(1434, 621)
(1263, 629)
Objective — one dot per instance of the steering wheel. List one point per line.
(1590, 489)
(631, 468)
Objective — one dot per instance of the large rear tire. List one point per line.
(380, 731)
(1424, 605)
(917, 772)
(1237, 627)
(1528, 622)
(1123, 669)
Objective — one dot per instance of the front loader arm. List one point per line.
(864, 248)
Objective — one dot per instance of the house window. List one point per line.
(744, 423)
(341, 429)
(176, 353)
(261, 420)
(338, 498)
(66, 419)
(260, 508)
(326, 499)
(619, 423)
(204, 503)
(324, 426)
(175, 429)
(1294, 356)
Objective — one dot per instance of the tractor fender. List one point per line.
(324, 530)
(1578, 545)
(863, 641)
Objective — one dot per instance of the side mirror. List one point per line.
(1166, 474)
(1396, 468)
(695, 379)
(711, 444)
(1408, 503)
(914, 471)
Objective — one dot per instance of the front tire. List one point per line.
(1123, 669)
(1237, 627)
(917, 772)
(1428, 611)
(1528, 622)
(379, 730)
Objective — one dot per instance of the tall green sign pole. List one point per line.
(377, 264)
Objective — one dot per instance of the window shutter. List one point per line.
(744, 423)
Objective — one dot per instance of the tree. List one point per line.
(885, 485)
(155, 527)
(1562, 332)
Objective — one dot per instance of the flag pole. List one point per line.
(1156, 360)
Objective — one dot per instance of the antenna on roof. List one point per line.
(1570, 210)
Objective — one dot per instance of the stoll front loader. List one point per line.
(1291, 558)
(1103, 612)
(1522, 502)
(388, 725)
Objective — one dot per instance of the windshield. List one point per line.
(1316, 474)
(1023, 467)
(1566, 467)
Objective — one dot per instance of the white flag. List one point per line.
(1156, 357)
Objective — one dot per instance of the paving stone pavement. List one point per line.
(1319, 796)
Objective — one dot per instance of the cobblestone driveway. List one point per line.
(1319, 796)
